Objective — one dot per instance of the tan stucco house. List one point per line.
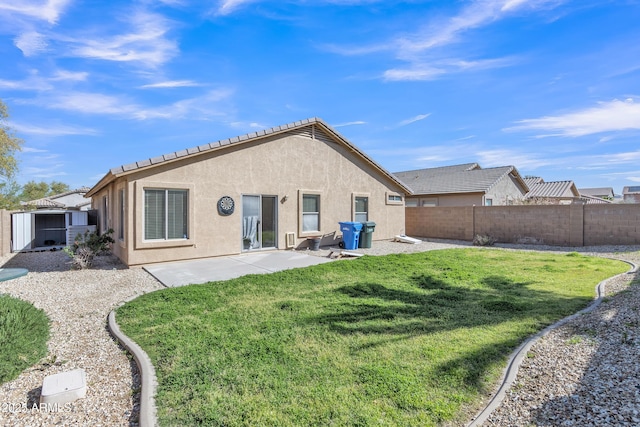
(463, 185)
(272, 189)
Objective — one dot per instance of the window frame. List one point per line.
(104, 210)
(121, 213)
(301, 214)
(393, 198)
(166, 213)
(354, 205)
(139, 209)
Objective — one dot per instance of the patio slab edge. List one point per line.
(515, 359)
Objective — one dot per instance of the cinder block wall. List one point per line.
(5, 232)
(440, 222)
(612, 224)
(560, 225)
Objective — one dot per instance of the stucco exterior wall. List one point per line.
(505, 192)
(283, 166)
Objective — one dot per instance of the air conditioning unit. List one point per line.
(290, 240)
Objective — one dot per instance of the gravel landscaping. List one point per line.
(77, 303)
(583, 373)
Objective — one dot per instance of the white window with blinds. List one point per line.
(309, 203)
(310, 212)
(166, 214)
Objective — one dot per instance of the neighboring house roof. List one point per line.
(466, 178)
(238, 140)
(553, 189)
(597, 192)
(532, 180)
(633, 189)
(590, 200)
(631, 194)
(57, 200)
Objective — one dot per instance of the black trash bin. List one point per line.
(366, 234)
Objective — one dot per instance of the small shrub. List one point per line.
(483, 240)
(86, 246)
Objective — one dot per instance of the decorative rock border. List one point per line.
(148, 380)
(518, 355)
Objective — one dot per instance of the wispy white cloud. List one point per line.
(38, 82)
(171, 83)
(414, 119)
(77, 76)
(51, 130)
(202, 107)
(90, 103)
(525, 161)
(474, 15)
(632, 157)
(52, 171)
(226, 7)
(422, 51)
(355, 123)
(608, 116)
(33, 150)
(47, 10)
(146, 43)
(33, 82)
(31, 43)
(437, 68)
(245, 126)
(199, 108)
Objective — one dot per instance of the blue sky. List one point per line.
(549, 86)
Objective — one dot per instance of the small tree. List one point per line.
(9, 145)
(9, 191)
(86, 246)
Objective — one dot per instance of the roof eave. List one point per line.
(238, 140)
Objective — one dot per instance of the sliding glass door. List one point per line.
(259, 222)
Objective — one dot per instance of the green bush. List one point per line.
(86, 246)
(24, 331)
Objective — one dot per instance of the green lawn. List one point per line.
(24, 331)
(395, 340)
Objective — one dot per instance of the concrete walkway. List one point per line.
(180, 273)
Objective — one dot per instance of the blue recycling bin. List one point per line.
(350, 233)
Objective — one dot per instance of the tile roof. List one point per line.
(466, 178)
(49, 201)
(532, 180)
(597, 192)
(633, 189)
(194, 151)
(591, 200)
(553, 189)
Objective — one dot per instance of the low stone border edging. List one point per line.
(148, 381)
(518, 355)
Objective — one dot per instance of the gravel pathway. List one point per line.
(77, 302)
(584, 373)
